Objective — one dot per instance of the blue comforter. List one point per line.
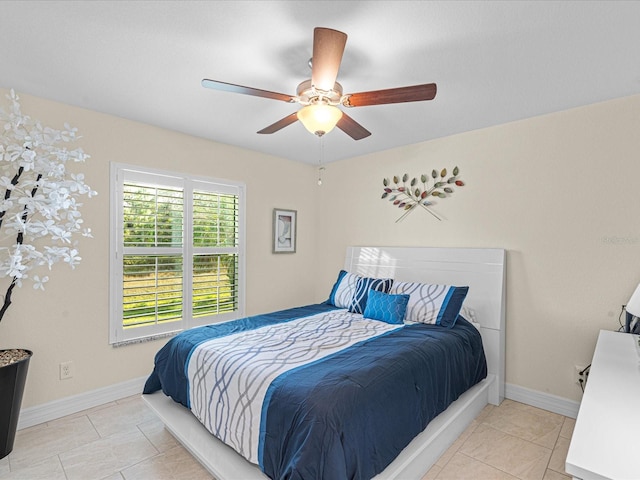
(350, 414)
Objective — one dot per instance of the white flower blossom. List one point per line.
(6, 205)
(71, 257)
(5, 182)
(38, 283)
(39, 198)
(13, 265)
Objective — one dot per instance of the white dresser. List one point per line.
(606, 438)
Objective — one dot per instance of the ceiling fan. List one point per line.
(321, 94)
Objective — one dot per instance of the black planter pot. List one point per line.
(12, 381)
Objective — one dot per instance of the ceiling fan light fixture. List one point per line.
(319, 118)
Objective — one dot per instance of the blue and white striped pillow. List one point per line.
(344, 289)
(434, 304)
(351, 291)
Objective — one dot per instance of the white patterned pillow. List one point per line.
(344, 289)
(434, 304)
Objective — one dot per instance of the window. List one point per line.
(177, 252)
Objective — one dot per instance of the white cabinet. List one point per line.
(605, 441)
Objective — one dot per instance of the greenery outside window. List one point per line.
(177, 252)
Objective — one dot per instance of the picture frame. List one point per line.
(284, 230)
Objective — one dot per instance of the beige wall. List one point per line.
(68, 322)
(559, 192)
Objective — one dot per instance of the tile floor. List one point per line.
(509, 442)
(124, 440)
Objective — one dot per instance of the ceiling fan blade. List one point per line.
(352, 128)
(415, 93)
(328, 47)
(256, 92)
(280, 124)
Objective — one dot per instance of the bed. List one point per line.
(347, 386)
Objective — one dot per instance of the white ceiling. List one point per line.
(493, 62)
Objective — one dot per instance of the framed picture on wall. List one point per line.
(284, 230)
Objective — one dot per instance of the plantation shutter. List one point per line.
(152, 258)
(215, 249)
(177, 254)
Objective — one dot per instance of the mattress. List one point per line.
(316, 392)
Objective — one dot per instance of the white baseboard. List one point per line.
(546, 401)
(76, 403)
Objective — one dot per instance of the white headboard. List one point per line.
(482, 269)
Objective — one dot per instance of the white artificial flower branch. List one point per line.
(39, 211)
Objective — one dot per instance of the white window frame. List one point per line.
(117, 333)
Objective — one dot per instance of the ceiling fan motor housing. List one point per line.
(308, 94)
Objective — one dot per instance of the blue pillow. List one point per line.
(363, 287)
(386, 307)
(435, 304)
(351, 291)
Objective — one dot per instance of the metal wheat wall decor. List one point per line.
(417, 193)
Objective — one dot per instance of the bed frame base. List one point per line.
(412, 463)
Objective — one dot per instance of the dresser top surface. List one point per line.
(607, 429)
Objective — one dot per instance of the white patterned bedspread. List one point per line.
(229, 376)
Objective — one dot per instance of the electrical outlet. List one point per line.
(581, 376)
(66, 370)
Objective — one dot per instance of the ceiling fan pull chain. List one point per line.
(321, 161)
